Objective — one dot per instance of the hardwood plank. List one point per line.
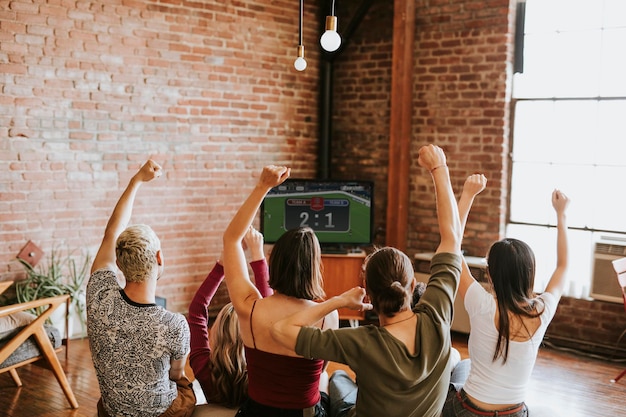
(570, 384)
(41, 394)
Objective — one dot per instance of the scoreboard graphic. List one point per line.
(319, 213)
(340, 216)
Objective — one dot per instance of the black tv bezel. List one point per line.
(339, 247)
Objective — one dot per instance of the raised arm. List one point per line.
(198, 319)
(433, 159)
(559, 277)
(474, 184)
(253, 240)
(105, 258)
(241, 290)
(286, 331)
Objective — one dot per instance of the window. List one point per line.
(569, 130)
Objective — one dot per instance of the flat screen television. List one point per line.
(339, 212)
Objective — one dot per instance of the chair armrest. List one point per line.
(52, 302)
(4, 285)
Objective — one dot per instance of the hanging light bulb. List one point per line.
(330, 40)
(300, 63)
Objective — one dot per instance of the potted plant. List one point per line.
(62, 274)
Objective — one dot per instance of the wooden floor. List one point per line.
(571, 385)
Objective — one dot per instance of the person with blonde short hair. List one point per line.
(135, 248)
(138, 348)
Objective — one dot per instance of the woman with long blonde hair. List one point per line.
(217, 353)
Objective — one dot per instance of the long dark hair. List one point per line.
(295, 265)
(511, 267)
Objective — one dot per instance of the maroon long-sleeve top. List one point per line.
(198, 318)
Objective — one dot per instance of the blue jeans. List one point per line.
(342, 391)
(460, 373)
(458, 405)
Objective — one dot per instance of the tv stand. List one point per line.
(341, 273)
(334, 250)
(340, 250)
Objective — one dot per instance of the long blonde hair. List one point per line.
(229, 372)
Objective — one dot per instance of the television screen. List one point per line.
(340, 212)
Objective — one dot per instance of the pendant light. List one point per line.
(330, 40)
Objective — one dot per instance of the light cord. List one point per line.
(301, 13)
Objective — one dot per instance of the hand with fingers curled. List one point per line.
(253, 240)
(560, 201)
(474, 184)
(273, 175)
(354, 299)
(431, 157)
(149, 171)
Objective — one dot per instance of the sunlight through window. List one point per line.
(569, 131)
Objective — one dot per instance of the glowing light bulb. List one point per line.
(330, 40)
(300, 63)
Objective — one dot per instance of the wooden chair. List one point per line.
(43, 346)
(620, 269)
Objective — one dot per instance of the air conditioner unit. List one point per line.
(604, 285)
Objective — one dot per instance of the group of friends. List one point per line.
(267, 351)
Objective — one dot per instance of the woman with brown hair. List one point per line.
(279, 382)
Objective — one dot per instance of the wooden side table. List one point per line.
(342, 272)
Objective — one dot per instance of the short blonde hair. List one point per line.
(136, 249)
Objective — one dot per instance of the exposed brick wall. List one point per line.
(589, 325)
(90, 89)
(461, 100)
